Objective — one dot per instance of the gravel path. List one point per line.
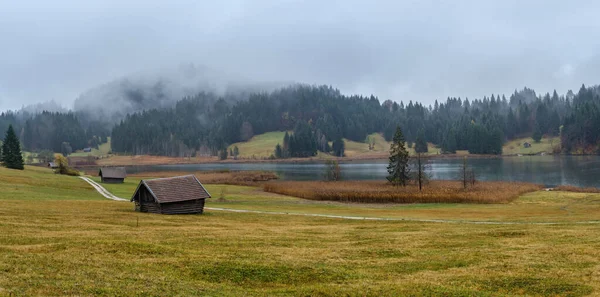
(104, 192)
(109, 195)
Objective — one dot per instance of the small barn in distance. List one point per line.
(112, 175)
(52, 165)
(87, 150)
(172, 195)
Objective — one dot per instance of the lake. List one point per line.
(581, 171)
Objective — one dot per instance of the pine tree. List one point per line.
(286, 143)
(398, 169)
(537, 133)
(278, 151)
(420, 143)
(236, 152)
(11, 150)
(223, 154)
(338, 147)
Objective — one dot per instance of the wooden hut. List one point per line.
(173, 195)
(112, 175)
(52, 165)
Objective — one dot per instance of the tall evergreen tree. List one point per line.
(236, 152)
(278, 151)
(11, 150)
(537, 133)
(286, 145)
(338, 147)
(398, 169)
(420, 143)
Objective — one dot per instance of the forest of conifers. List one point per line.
(207, 123)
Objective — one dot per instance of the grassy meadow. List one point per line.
(58, 237)
(546, 145)
(102, 150)
(259, 146)
(262, 146)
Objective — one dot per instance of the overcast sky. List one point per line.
(399, 50)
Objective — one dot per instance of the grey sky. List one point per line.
(400, 50)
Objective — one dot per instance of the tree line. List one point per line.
(62, 132)
(319, 117)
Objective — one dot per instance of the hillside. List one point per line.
(516, 147)
(262, 146)
(102, 150)
(259, 146)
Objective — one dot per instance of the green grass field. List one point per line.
(546, 145)
(259, 146)
(262, 146)
(58, 237)
(102, 150)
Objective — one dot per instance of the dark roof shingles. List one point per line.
(113, 172)
(176, 189)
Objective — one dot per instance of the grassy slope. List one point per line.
(259, 146)
(382, 147)
(102, 247)
(515, 146)
(102, 150)
(262, 146)
(38, 183)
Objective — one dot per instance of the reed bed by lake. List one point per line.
(574, 189)
(382, 192)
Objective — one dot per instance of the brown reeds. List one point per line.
(576, 189)
(240, 178)
(382, 192)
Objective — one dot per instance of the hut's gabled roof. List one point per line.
(113, 172)
(174, 189)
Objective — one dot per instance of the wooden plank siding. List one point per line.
(178, 195)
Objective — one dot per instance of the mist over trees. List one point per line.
(111, 102)
(319, 116)
(209, 123)
(53, 131)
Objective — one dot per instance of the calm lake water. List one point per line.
(582, 171)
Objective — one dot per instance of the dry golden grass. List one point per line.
(382, 192)
(104, 248)
(59, 245)
(243, 178)
(152, 160)
(576, 189)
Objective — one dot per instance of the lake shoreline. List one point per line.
(132, 161)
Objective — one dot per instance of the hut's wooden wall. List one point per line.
(184, 207)
(144, 202)
(109, 180)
